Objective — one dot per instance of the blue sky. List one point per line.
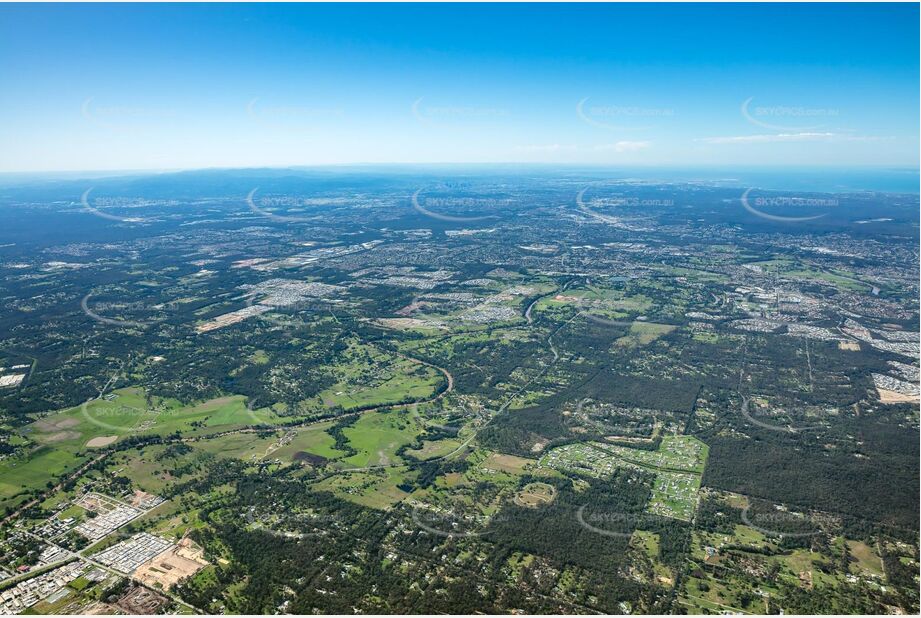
(187, 86)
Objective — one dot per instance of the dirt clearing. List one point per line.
(174, 564)
(60, 436)
(101, 441)
(507, 463)
(50, 424)
(894, 397)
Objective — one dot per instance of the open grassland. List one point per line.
(66, 439)
(127, 412)
(314, 440)
(431, 449)
(791, 268)
(649, 544)
(368, 377)
(376, 436)
(643, 333)
(508, 463)
(244, 446)
(377, 489)
(611, 304)
(867, 561)
(18, 475)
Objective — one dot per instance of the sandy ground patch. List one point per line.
(232, 318)
(853, 346)
(140, 498)
(894, 397)
(506, 463)
(101, 441)
(211, 404)
(50, 424)
(98, 608)
(11, 380)
(165, 571)
(60, 436)
(452, 479)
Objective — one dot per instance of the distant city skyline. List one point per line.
(147, 87)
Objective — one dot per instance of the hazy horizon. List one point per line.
(811, 179)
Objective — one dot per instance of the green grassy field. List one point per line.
(867, 560)
(130, 414)
(612, 304)
(643, 333)
(314, 440)
(377, 436)
(238, 446)
(376, 489)
(648, 542)
(367, 376)
(66, 439)
(18, 475)
(706, 337)
(432, 449)
(796, 270)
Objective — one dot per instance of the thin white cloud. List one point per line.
(624, 146)
(547, 148)
(774, 138)
(621, 146)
